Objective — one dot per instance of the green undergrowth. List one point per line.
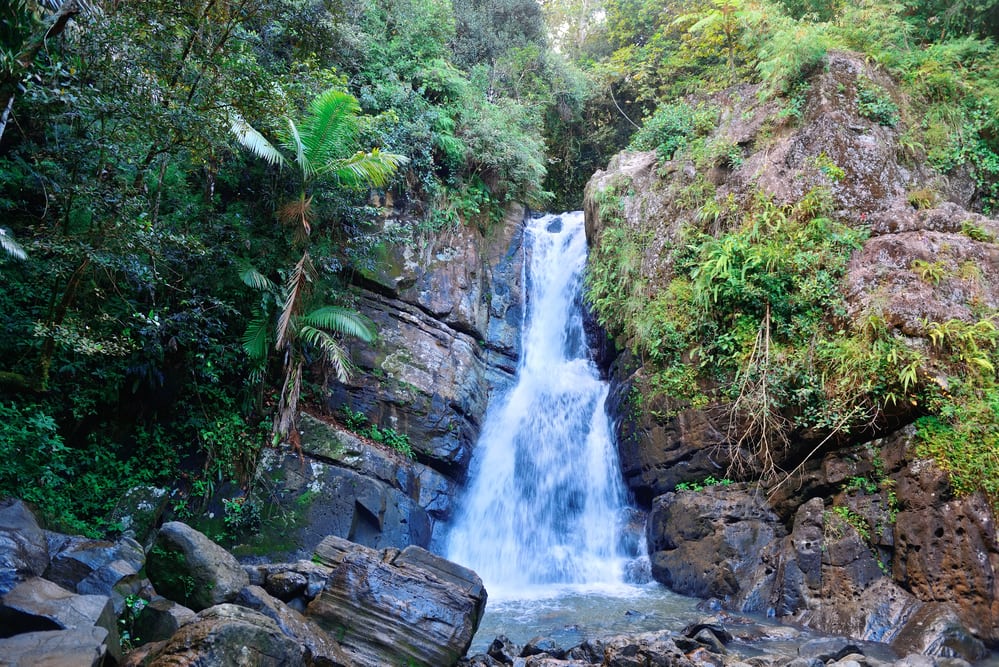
(754, 318)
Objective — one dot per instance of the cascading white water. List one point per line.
(545, 494)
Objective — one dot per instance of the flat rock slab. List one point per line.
(78, 647)
(388, 608)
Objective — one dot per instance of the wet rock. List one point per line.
(645, 649)
(503, 650)
(289, 580)
(187, 567)
(76, 647)
(389, 607)
(286, 585)
(159, 619)
(542, 645)
(24, 549)
(225, 635)
(828, 649)
(321, 650)
(936, 630)
(96, 567)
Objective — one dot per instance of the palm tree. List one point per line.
(322, 145)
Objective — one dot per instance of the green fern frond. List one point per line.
(252, 140)
(342, 321)
(10, 246)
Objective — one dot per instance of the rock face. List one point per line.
(394, 607)
(187, 567)
(709, 544)
(923, 561)
(448, 311)
(355, 489)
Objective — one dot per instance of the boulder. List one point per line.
(36, 605)
(159, 619)
(712, 543)
(139, 511)
(286, 581)
(387, 607)
(225, 635)
(76, 647)
(653, 648)
(187, 567)
(24, 549)
(321, 650)
(96, 567)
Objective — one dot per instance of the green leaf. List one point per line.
(256, 338)
(343, 321)
(253, 141)
(10, 246)
(253, 278)
(332, 350)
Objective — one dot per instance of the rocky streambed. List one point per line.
(184, 600)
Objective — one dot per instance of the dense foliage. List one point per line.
(147, 263)
(147, 260)
(749, 312)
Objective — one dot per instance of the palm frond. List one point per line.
(252, 140)
(331, 127)
(10, 246)
(370, 169)
(293, 142)
(342, 321)
(256, 338)
(287, 411)
(332, 350)
(256, 280)
(297, 212)
(301, 275)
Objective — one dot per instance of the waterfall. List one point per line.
(545, 495)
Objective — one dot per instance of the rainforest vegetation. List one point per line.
(188, 188)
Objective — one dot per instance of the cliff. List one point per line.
(804, 303)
